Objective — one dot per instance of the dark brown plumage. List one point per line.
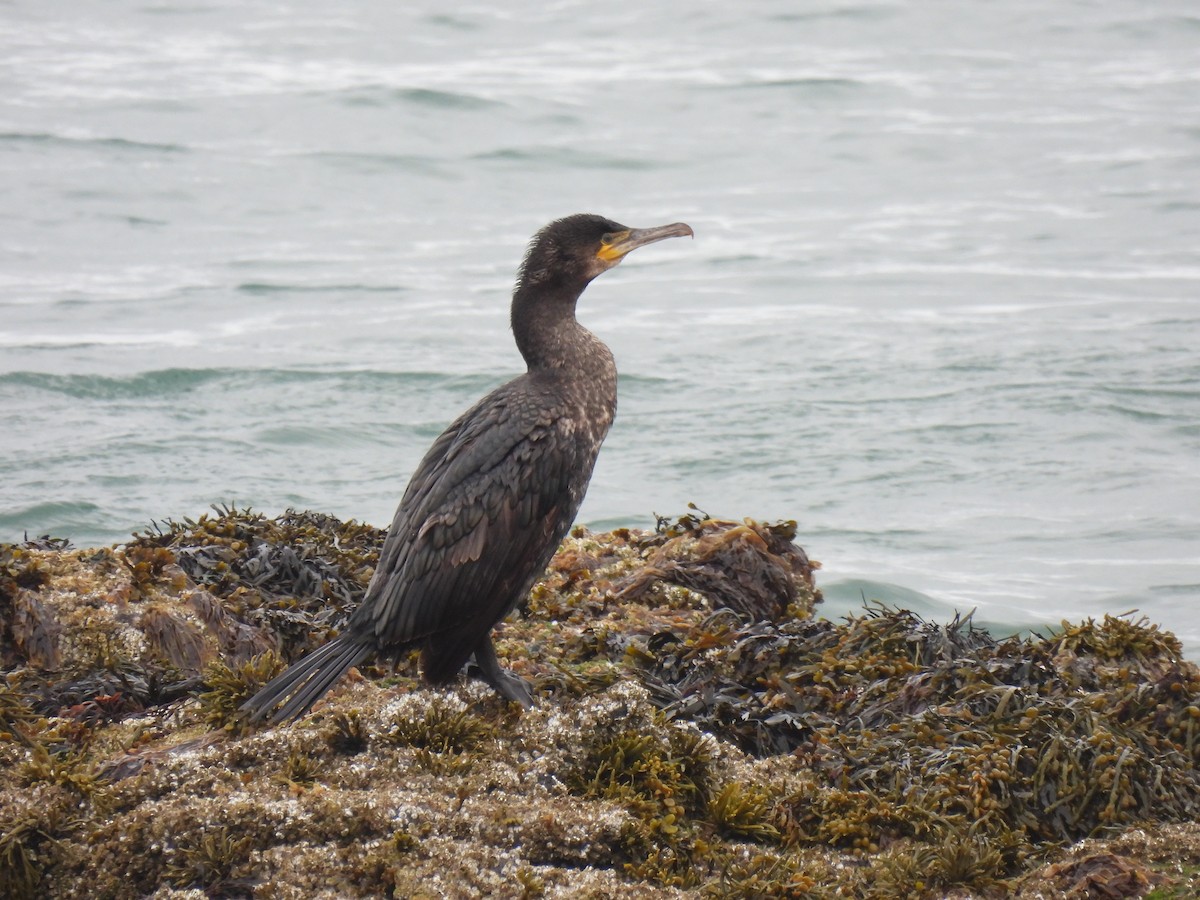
(495, 494)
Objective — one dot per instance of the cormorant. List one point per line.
(495, 494)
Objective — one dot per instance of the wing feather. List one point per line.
(479, 521)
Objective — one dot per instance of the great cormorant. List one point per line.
(495, 494)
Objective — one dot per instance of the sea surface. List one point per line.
(942, 307)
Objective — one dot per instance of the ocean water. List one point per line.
(941, 308)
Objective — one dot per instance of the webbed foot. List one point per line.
(506, 684)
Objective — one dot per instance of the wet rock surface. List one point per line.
(699, 733)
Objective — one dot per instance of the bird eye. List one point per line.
(607, 239)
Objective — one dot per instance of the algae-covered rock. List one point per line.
(699, 733)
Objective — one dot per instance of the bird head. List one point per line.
(578, 248)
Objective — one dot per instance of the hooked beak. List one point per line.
(622, 242)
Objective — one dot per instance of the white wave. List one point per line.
(905, 267)
(102, 339)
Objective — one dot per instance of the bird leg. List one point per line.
(487, 669)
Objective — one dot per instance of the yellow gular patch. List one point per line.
(614, 247)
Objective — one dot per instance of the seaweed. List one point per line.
(300, 771)
(441, 727)
(67, 769)
(750, 876)
(742, 810)
(346, 733)
(302, 563)
(926, 732)
(31, 833)
(17, 717)
(208, 861)
(26, 849)
(748, 567)
(699, 732)
(639, 769)
(446, 736)
(228, 687)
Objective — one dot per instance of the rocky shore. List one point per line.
(700, 732)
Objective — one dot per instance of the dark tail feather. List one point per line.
(292, 693)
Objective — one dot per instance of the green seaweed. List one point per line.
(301, 770)
(743, 811)
(208, 861)
(346, 733)
(26, 850)
(68, 769)
(229, 686)
(441, 727)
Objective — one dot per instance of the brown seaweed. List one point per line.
(702, 736)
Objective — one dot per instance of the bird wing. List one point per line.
(480, 518)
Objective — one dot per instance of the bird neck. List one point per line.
(547, 332)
